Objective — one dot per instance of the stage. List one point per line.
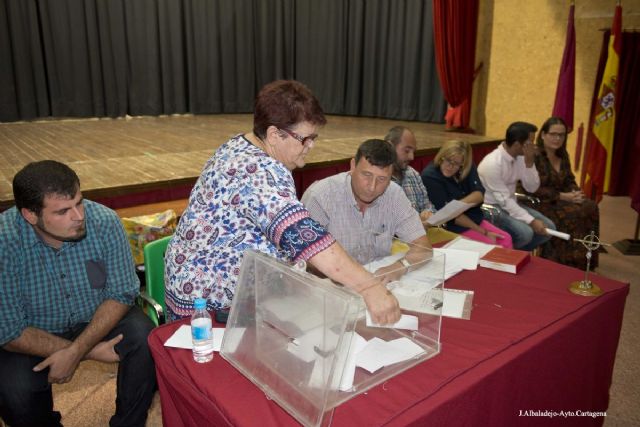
(132, 161)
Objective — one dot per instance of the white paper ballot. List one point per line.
(349, 372)
(309, 345)
(449, 211)
(379, 353)
(383, 262)
(182, 338)
(465, 244)
(407, 321)
(428, 274)
(467, 260)
(454, 304)
(559, 234)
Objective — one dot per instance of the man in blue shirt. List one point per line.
(66, 293)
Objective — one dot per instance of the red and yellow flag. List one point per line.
(603, 117)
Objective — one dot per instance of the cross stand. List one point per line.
(586, 287)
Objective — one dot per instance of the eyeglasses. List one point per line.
(304, 140)
(556, 135)
(452, 163)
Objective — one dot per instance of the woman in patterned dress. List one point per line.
(245, 199)
(561, 200)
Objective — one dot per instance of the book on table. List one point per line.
(502, 259)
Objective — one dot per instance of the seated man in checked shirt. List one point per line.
(404, 142)
(66, 293)
(363, 209)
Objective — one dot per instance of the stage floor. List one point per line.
(117, 157)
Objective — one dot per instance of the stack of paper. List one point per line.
(465, 244)
(414, 290)
(182, 338)
(375, 354)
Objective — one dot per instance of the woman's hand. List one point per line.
(382, 305)
(424, 216)
(575, 196)
(492, 236)
(578, 196)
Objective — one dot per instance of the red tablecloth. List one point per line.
(530, 345)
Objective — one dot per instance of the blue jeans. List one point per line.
(25, 396)
(524, 238)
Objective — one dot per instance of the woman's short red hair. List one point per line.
(283, 104)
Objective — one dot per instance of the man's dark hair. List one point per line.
(377, 152)
(519, 132)
(39, 179)
(395, 134)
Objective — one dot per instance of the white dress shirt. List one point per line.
(499, 173)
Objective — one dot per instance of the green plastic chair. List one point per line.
(153, 296)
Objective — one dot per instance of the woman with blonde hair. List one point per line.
(453, 176)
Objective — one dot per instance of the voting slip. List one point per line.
(448, 212)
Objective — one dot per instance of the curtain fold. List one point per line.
(23, 79)
(455, 25)
(369, 58)
(565, 89)
(94, 58)
(274, 38)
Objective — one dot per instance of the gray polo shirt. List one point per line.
(367, 236)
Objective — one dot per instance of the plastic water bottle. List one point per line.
(201, 333)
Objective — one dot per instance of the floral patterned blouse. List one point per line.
(244, 199)
(553, 182)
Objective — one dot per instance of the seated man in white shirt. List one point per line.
(499, 172)
(363, 209)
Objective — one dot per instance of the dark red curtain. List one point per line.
(625, 173)
(454, 25)
(565, 90)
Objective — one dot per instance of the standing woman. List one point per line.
(561, 199)
(453, 176)
(245, 199)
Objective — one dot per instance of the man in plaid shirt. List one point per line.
(67, 286)
(404, 175)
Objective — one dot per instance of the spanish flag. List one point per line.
(603, 116)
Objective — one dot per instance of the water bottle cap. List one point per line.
(199, 303)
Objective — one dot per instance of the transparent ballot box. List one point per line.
(305, 342)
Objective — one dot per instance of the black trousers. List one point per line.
(25, 396)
